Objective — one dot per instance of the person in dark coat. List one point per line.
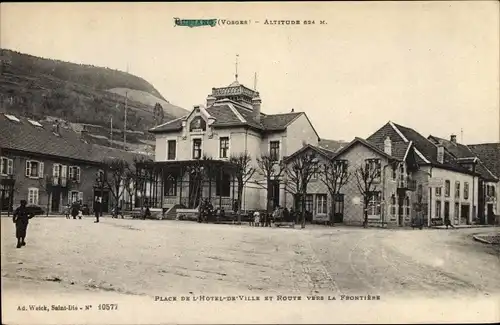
(97, 209)
(75, 208)
(21, 219)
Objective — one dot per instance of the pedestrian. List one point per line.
(256, 218)
(447, 222)
(67, 210)
(21, 219)
(75, 208)
(97, 209)
(251, 219)
(263, 218)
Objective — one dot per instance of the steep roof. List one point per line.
(426, 151)
(332, 145)
(228, 113)
(367, 144)
(22, 135)
(489, 153)
(325, 153)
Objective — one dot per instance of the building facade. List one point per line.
(230, 124)
(50, 166)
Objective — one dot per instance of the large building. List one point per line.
(232, 123)
(415, 174)
(50, 166)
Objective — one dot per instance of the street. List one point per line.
(138, 257)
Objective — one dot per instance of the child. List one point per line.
(80, 214)
(256, 218)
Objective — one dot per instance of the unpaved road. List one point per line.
(138, 257)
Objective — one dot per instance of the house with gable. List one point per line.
(230, 123)
(50, 165)
(445, 186)
(489, 155)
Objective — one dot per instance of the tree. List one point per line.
(298, 174)
(46, 184)
(334, 174)
(115, 173)
(271, 169)
(243, 172)
(140, 166)
(366, 177)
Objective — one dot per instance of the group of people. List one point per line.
(74, 209)
(279, 214)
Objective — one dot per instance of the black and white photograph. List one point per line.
(250, 162)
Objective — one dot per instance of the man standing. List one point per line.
(97, 209)
(21, 219)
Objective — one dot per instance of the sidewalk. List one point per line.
(464, 226)
(489, 238)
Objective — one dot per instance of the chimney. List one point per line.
(293, 110)
(56, 127)
(453, 138)
(256, 101)
(388, 146)
(440, 153)
(210, 100)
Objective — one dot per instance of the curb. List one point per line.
(479, 239)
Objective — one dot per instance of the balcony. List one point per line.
(408, 184)
(58, 181)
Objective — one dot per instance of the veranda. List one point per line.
(172, 185)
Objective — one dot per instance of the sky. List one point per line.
(431, 66)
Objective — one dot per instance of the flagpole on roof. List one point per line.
(125, 119)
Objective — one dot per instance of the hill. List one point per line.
(149, 99)
(38, 87)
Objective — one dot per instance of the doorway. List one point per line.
(446, 210)
(464, 214)
(338, 208)
(55, 201)
(490, 214)
(274, 192)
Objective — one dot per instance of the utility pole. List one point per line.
(461, 135)
(255, 82)
(111, 137)
(236, 66)
(125, 123)
(125, 119)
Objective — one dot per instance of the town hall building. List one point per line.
(230, 124)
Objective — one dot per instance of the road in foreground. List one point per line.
(156, 257)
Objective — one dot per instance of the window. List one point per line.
(196, 148)
(373, 167)
(224, 147)
(447, 188)
(33, 195)
(374, 204)
(74, 196)
(394, 172)
(438, 191)
(393, 205)
(457, 212)
(34, 169)
(171, 149)
(74, 173)
(7, 167)
(407, 206)
(457, 189)
(223, 186)
(438, 209)
(321, 204)
(274, 150)
(170, 188)
(466, 191)
(490, 191)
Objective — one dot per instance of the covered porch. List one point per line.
(168, 185)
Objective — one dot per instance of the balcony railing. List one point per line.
(407, 183)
